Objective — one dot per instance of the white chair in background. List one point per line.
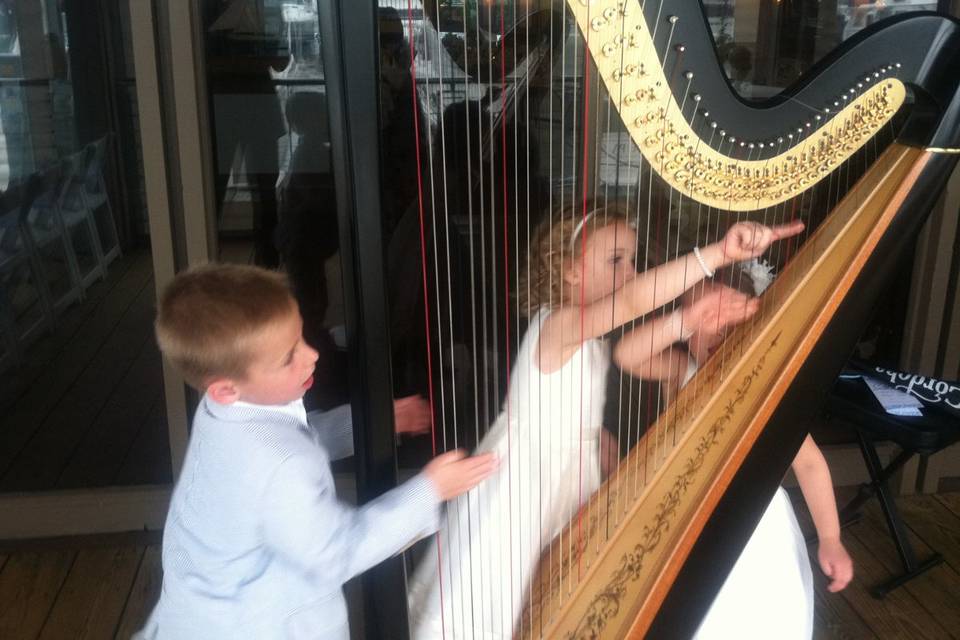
(94, 193)
(78, 220)
(21, 273)
(45, 233)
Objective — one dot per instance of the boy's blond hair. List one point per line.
(554, 244)
(208, 316)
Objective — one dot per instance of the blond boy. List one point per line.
(256, 544)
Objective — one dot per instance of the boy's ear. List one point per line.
(223, 391)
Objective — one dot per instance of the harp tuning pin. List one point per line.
(780, 139)
(799, 130)
(733, 138)
(672, 19)
(751, 145)
(876, 75)
(723, 133)
(818, 117)
(761, 145)
(826, 109)
(713, 125)
(742, 143)
(897, 65)
(706, 114)
(689, 74)
(790, 136)
(836, 103)
(859, 85)
(697, 97)
(681, 48)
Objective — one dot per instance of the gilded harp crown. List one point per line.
(622, 46)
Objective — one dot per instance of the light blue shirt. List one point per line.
(256, 543)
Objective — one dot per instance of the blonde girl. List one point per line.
(581, 284)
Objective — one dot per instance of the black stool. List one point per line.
(853, 402)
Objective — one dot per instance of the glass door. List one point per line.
(83, 402)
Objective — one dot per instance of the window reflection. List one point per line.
(276, 204)
(765, 45)
(81, 395)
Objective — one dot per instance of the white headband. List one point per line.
(577, 229)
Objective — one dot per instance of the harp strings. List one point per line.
(661, 218)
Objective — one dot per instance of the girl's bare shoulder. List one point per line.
(550, 352)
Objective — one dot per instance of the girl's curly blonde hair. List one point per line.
(554, 244)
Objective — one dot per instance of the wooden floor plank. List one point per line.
(101, 453)
(20, 423)
(834, 617)
(143, 595)
(94, 593)
(936, 590)
(41, 460)
(951, 501)
(42, 354)
(29, 585)
(148, 459)
(935, 524)
(899, 615)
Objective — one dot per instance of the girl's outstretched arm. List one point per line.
(568, 327)
(712, 313)
(813, 475)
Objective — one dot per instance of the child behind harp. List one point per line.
(582, 283)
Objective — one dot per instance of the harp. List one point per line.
(858, 148)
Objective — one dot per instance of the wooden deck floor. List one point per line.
(104, 586)
(86, 407)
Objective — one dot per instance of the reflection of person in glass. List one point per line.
(306, 235)
(247, 117)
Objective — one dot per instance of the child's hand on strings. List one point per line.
(835, 563)
(717, 309)
(411, 415)
(453, 473)
(746, 240)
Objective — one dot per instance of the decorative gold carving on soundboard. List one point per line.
(622, 48)
(606, 604)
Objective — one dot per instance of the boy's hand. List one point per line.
(718, 309)
(453, 473)
(746, 240)
(835, 563)
(411, 415)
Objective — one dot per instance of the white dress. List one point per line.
(474, 579)
(769, 592)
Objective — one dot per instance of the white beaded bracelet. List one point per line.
(703, 265)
